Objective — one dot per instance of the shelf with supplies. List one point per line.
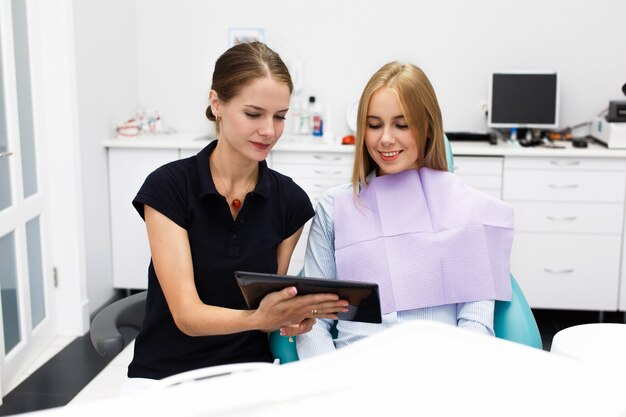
(569, 203)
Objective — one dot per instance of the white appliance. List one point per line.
(612, 134)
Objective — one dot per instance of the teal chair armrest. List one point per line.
(449, 156)
(283, 347)
(514, 320)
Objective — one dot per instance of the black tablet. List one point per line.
(362, 296)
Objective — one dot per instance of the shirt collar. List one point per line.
(207, 186)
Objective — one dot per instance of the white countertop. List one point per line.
(184, 140)
(198, 140)
(515, 149)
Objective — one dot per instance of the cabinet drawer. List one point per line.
(316, 158)
(575, 164)
(477, 165)
(297, 171)
(315, 188)
(568, 217)
(564, 186)
(580, 272)
(483, 182)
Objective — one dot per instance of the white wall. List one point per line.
(174, 59)
(342, 43)
(58, 124)
(160, 54)
(107, 89)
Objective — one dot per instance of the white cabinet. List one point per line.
(569, 215)
(315, 172)
(571, 272)
(481, 172)
(568, 249)
(128, 168)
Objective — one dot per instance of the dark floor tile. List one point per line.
(58, 381)
(79, 351)
(17, 402)
(67, 379)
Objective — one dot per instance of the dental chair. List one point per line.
(513, 320)
(105, 329)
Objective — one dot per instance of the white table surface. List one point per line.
(419, 368)
(598, 344)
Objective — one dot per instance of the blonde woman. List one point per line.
(438, 249)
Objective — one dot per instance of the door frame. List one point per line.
(33, 340)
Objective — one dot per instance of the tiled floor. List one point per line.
(78, 374)
(57, 381)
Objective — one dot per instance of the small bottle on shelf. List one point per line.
(317, 123)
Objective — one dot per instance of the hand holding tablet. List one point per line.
(363, 298)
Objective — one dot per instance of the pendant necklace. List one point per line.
(235, 203)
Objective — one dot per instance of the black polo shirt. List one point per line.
(184, 191)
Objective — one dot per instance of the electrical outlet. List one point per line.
(483, 107)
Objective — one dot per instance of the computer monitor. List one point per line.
(524, 99)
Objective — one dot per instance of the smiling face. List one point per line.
(253, 120)
(388, 138)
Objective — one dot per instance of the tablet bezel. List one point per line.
(363, 297)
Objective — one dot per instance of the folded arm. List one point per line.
(476, 316)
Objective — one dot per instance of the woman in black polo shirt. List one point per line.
(220, 211)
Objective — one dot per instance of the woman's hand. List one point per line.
(305, 326)
(296, 314)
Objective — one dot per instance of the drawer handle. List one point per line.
(562, 219)
(563, 186)
(565, 163)
(317, 171)
(558, 271)
(5, 154)
(327, 158)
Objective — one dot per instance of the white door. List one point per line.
(27, 325)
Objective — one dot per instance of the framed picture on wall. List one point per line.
(245, 35)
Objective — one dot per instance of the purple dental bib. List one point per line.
(426, 239)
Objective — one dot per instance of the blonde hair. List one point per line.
(420, 109)
(242, 64)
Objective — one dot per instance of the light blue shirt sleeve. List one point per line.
(319, 262)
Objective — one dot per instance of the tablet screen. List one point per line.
(362, 296)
